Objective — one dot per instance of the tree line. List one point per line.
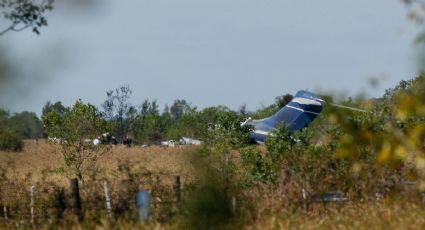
(145, 123)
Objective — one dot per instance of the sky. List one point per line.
(210, 52)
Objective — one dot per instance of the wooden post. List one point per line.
(304, 199)
(143, 205)
(75, 199)
(177, 188)
(32, 191)
(5, 213)
(233, 205)
(107, 199)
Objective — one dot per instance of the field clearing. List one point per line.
(39, 158)
(269, 209)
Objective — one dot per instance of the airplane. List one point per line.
(296, 115)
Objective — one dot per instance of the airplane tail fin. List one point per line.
(298, 113)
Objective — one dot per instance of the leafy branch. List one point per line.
(24, 14)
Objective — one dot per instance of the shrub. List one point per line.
(10, 142)
(257, 167)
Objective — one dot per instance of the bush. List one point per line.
(257, 167)
(10, 142)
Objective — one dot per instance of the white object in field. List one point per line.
(190, 141)
(169, 143)
(55, 140)
(96, 141)
(87, 141)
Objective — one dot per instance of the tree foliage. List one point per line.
(10, 141)
(149, 126)
(52, 107)
(116, 108)
(24, 125)
(23, 14)
(226, 132)
(180, 108)
(74, 131)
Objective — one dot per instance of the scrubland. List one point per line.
(206, 195)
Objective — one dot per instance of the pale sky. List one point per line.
(211, 52)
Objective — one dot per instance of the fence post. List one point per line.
(75, 198)
(5, 212)
(177, 188)
(233, 205)
(304, 198)
(142, 202)
(107, 198)
(32, 191)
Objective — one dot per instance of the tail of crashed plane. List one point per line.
(296, 115)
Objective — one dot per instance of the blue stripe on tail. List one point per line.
(296, 115)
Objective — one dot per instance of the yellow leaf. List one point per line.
(420, 163)
(400, 152)
(385, 152)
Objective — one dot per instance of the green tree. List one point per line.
(179, 108)
(10, 141)
(53, 107)
(116, 108)
(243, 110)
(226, 132)
(144, 108)
(187, 126)
(148, 126)
(26, 125)
(74, 130)
(283, 100)
(4, 116)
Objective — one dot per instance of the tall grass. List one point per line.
(210, 181)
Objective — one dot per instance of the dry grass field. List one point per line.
(39, 158)
(349, 216)
(127, 170)
(39, 163)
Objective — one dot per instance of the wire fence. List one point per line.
(34, 204)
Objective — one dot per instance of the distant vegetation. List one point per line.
(375, 159)
(14, 128)
(144, 123)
